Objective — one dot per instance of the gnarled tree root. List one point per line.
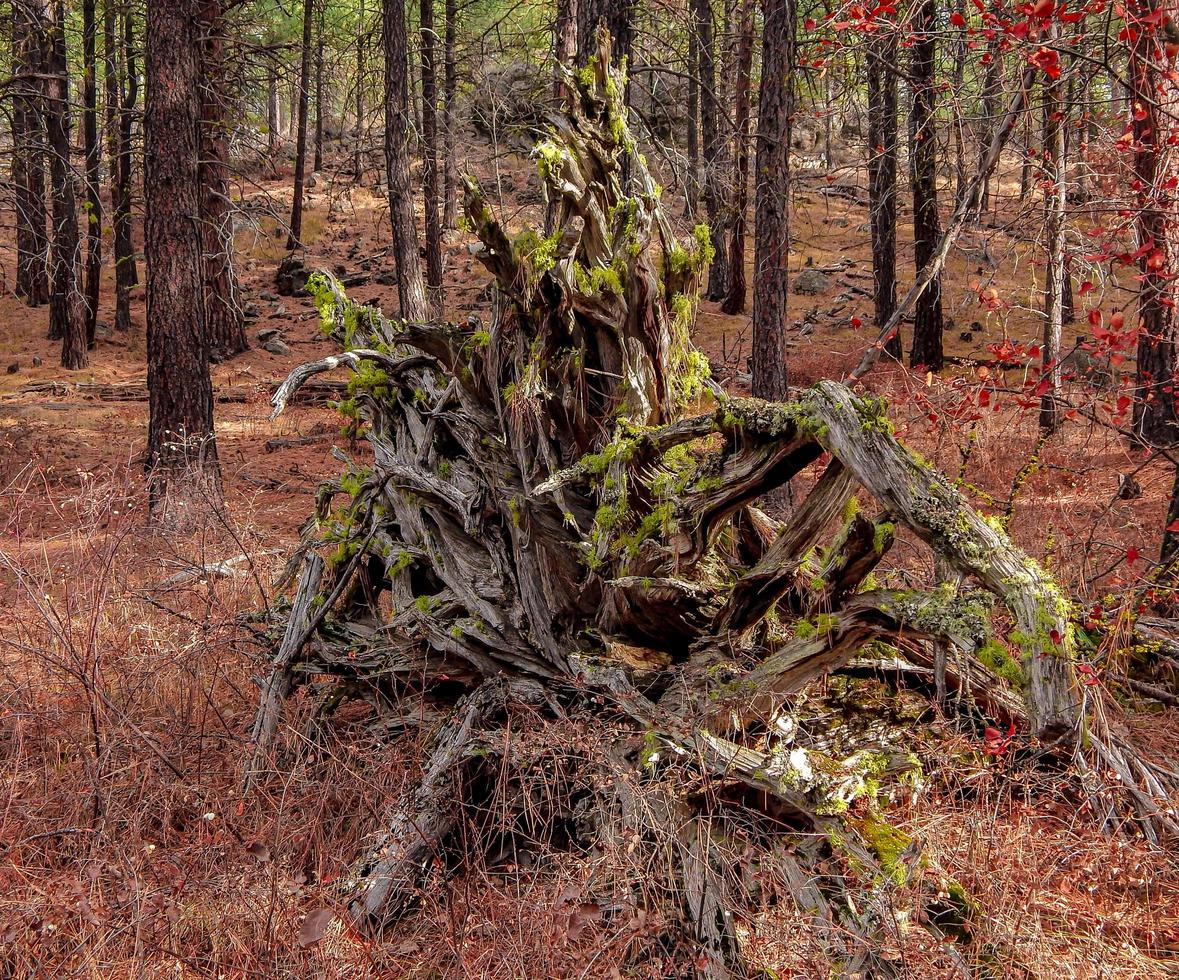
(550, 516)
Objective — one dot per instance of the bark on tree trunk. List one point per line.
(317, 160)
(224, 322)
(67, 305)
(692, 191)
(272, 121)
(737, 286)
(1055, 169)
(294, 239)
(1155, 98)
(430, 182)
(926, 351)
(449, 90)
(771, 222)
(126, 267)
(712, 139)
(90, 148)
(358, 142)
(882, 180)
(181, 449)
(411, 292)
(28, 155)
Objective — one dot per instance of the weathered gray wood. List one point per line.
(277, 686)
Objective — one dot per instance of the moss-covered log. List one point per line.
(561, 503)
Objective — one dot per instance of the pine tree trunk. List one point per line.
(90, 146)
(317, 161)
(926, 351)
(358, 142)
(449, 90)
(181, 449)
(882, 180)
(713, 155)
(126, 266)
(1155, 97)
(430, 181)
(692, 189)
(410, 290)
(28, 156)
(272, 122)
(224, 323)
(67, 305)
(737, 286)
(771, 228)
(294, 239)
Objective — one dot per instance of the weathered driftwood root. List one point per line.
(561, 502)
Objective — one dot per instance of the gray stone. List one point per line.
(811, 282)
(266, 333)
(275, 345)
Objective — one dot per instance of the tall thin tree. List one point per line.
(303, 84)
(712, 141)
(882, 178)
(1155, 99)
(67, 305)
(181, 448)
(449, 91)
(771, 228)
(410, 290)
(1054, 208)
(358, 142)
(734, 301)
(91, 150)
(431, 190)
(28, 156)
(927, 350)
(226, 329)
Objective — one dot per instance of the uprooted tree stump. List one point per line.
(560, 522)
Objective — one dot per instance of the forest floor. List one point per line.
(125, 845)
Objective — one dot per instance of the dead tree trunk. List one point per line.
(560, 540)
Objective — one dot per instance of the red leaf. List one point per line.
(1132, 555)
(957, 20)
(1173, 527)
